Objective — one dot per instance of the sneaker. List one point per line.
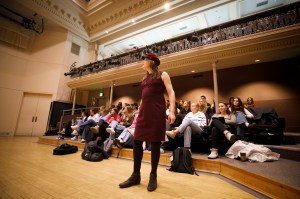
(213, 154)
(162, 150)
(171, 134)
(75, 132)
(61, 133)
(82, 140)
(117, 143)
(110, 130)
(59, 138)
(74, 138)
(95, 129)
(144, 146)
(75, 127)
(231, 137)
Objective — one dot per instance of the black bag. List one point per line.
(182, 161)
(93, 151)
(64, 149)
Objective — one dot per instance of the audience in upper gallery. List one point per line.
(185, 109)
(92, 120)
(126, 121)
(192, 123)
(250, 103)
(66, 131)
(241, 114)
(220, 131)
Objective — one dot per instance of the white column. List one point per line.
(216, 92)
(111, 92)
(74, 101)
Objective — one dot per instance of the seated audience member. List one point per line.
(92, 120)
(134, 108)
(230, 102)
(168, 109)
(204, 108)
(204, 98)
(192, 123)
(185, 109)
(241, 115)
(220, 131)
(113, 116)
(126, 121)
(250, 103)
(67, 126)
(126, 133)
(180, 104)
(104, 113)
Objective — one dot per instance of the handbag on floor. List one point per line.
(64, 149)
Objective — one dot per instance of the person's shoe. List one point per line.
(171, 134)
(95, 129)
(75, 127)
(152, 182)
(162, 150)
(134, 179)
(117, 143)
(61, 133)
(74, 138)
(144, 146)
(213, 154)
(75, 132)
(110, 130)
(82, 140)
(231, 137)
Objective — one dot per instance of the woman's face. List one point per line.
(92, 112)
(194, 108)
(112, 112)
(146, 64)
(235, 102)
(249, 100)
(201, 101)
(222, 108)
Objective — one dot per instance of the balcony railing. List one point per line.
(271, 19)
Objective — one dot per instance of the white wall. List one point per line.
(37, 70)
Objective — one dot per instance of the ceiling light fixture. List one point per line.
(132, 20)
(167, 6)
(193, 71)
(257, 60)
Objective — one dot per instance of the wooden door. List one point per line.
(41, 115)
(26, 115)
(33, 115)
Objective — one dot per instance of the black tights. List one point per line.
(138, 156)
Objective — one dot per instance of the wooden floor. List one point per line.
(29, 170)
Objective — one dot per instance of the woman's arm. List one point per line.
(167, 81)
(231, 119)
(248, 114)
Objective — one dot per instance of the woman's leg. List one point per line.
(155, 155)
(135, 177)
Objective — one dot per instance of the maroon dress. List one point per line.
(151, 121)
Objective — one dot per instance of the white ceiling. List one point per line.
(191, 21)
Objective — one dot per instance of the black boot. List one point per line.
(134, 179)
(152, 182)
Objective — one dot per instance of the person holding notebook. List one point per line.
(219, 127)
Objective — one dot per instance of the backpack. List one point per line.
(64, 149)
(93, 151)
(181, 161)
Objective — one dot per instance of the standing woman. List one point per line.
(151, 121)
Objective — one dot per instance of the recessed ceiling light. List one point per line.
(167, 6)
(106, 32)
(132, 20)
(193, 71)
(257, 60)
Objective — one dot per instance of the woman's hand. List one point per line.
(171, 118)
